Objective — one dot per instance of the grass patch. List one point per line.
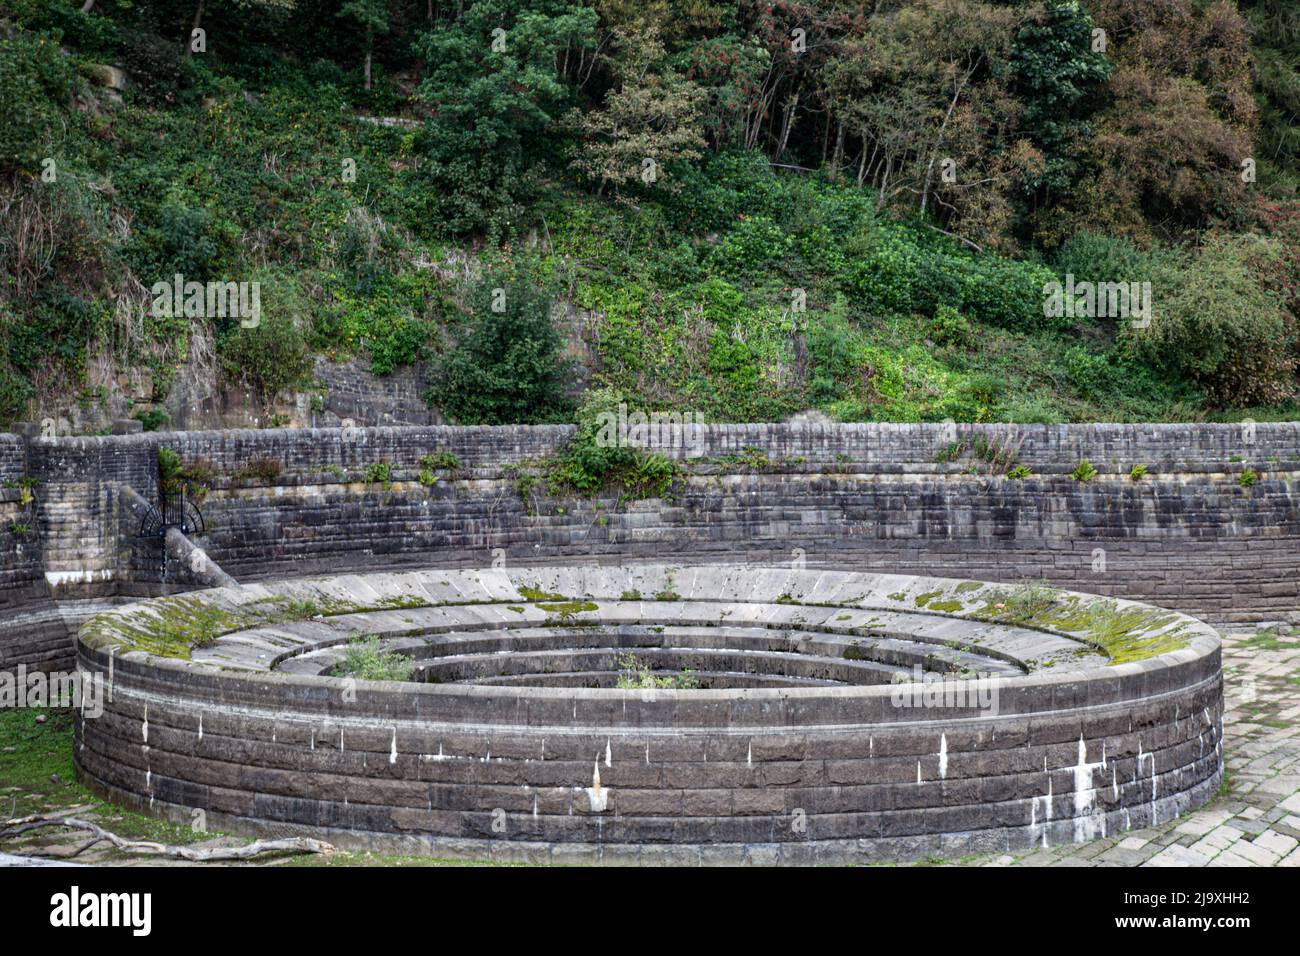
(367, 659)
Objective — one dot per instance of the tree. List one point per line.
(256, 5)
(1276, 54)
(372, 16)
(1057, 75)
(1181, 117)
(497, 89)
(649, 121)
(507, 365)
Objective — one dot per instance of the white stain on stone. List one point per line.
(392, 754)
(608, 754)
(1047, 810)
(1088, 819)
(1137, 772)
(144, 726)
(943, 756)
(598, 795)
(200, 726)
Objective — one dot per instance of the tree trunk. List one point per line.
(198, 19)
(787, 123)
(88, 6)
(367, 69)
(837, 157)
(938, 142)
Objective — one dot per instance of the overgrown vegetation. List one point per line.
(673, 200)
(595, 460)
(366, 659)
(635, 674)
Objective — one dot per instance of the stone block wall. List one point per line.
(827, 774)
(863, 497)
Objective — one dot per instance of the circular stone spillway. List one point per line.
(790, 716)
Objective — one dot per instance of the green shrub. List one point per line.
(157, 66)
(1090, 373)
(589, 462)
(271, 357)
(152, 419)
(633, 674)
(1137, 472)
(169, 470)
(950, 327)
(182, 239)
(1220, 324)
(1091, 257)
(366, 659)
(36, 83)
(507, 366)
(435, 462)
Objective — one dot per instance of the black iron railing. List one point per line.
(177, 510)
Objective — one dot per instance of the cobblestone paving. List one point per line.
(1256, 820)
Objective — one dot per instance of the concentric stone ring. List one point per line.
(657, 714)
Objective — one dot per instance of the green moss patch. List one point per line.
(1132, 634)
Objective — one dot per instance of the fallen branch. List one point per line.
(952, 235)
(13, 828)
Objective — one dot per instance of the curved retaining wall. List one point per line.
(833, 773)
(870, 497)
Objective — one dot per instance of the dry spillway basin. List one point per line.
(655, 714)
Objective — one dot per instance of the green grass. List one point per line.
(36, 776)
(33, 754)
(1271, 641)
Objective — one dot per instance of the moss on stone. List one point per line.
(948, 606)
(536, 594)
(1133, 634)
(569, 608)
